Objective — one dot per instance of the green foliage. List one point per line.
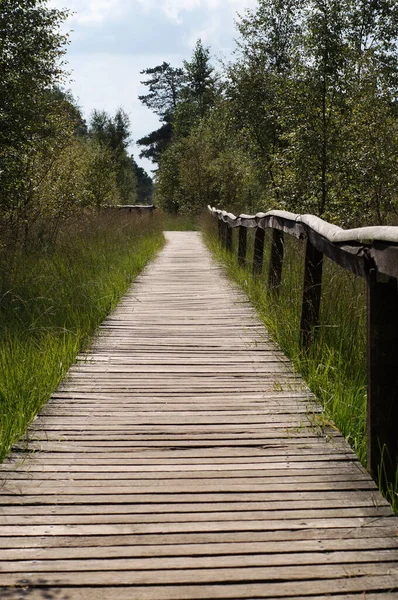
(113, 134)
(210, 165)
(172, 222)
(184, 183)
(305, 119)
(71, 109)
(51, 304)
(145, 187)
(164, 84)
(168, 193)
(28, 174)
(156, 142)
(199, 92)
(181, 98)
(101, 178)
(49, 170)
(318, 96)
(31, 47)
(370, 148)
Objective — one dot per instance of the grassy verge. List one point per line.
(335, 369)
(52, 303)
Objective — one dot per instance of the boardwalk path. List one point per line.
(175, 463)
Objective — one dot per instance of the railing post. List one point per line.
(258, 257)
(219, 223)
(228, 237)
(311, 293)
(224, 228)
(382, 355)
(276, 260)
(242, 249)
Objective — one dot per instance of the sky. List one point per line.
(111, 41)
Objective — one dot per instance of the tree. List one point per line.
(319, 104)
(156, 142)
(258, 84)
(101, 177)
(306, 119)
(164, 84)
(180, 97)
(344, 41)
(199, 92)
(145, 186)
(301, 62)
(113, 133)
(31, 48)
(71, 109)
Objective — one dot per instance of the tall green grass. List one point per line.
(178, 222)
(51, 303)
(335, 368)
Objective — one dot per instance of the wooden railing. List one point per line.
(136, 208)
(369, 252)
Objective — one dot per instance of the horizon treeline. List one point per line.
(304, 118)
(52, 164)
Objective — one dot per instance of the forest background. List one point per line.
(303, 119)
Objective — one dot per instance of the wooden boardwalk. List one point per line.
(182, 459)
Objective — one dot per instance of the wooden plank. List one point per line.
(365, 535)
(102, 548)
(292, 508)
(342, 589)
(291, 574)
(144, 495)
(130, 517)
(223, 467)
(192, 526)
(234, 561)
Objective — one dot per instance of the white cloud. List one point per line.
(174, 9)
(88, 12)
(95, 12)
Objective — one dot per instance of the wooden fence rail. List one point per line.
(134, 208)
(369, 252)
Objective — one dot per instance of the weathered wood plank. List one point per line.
(238, 561)
(344, 589)
(103, 549)
(364, 535)
(389, 570)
